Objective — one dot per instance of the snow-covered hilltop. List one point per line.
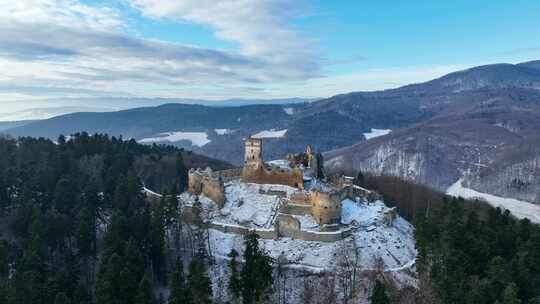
(314, 229)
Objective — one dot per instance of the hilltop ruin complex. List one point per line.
(303, 171)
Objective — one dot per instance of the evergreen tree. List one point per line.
(379, 295)
(179, 292)
(61, 298)
(108, 282)
(157, 249)
(198, 282)
(86, 234)
(235, 284)
(181, 172)
(360, 180)
(145, 292)
(256, 275)
(510, 295)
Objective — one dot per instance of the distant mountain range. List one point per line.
(45, 113)
(472, 123)
(59, 106)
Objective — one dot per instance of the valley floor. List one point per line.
(520, 209)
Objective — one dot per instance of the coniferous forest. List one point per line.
(469, 252)
(76, 228)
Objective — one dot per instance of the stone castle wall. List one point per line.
(255, 171)
(260, 175)
(229, 174)
(207, 183)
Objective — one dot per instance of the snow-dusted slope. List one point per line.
(376, 133)
(520, 209)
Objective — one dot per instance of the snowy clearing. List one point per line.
(289, 111)
(376, 133)
(222, 131)
(196, 138)
(520, 209)
(272, 133)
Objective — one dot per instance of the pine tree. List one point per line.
(235, 285)
(510, 295)
(379, 295)
(108, 282)
(157, 249)
(145, 292)
(181, 172)
(179, 292)
(360, 180)
(85, 234)
(256, 274)
(198, 282)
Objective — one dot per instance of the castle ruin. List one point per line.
(256, 171)
(323, 203)
(208, 183)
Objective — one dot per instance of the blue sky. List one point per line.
(218, 49)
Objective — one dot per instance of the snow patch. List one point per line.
(520, 209)
(376, 133)
(272, 133)
(196, 138)
(222, 131)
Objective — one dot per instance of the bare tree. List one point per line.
(280, 282)
(348, 269)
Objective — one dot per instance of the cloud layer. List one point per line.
(66, 48)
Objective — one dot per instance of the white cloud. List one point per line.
(67, 49)
(65, 46)
(262, 28)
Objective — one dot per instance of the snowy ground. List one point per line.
(272, 133)
(373, 239)
(223, 131)
(196, 138)
(376, 133)
(246, 206)
(289, 111)
(520, 209)
(280, 163)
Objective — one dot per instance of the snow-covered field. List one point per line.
(520, 209)
(196, 138)
(376, 133)
(289, 111)
(272, 133)
(222, 131)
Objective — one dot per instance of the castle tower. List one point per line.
(253, 153)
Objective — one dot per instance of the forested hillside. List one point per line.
(75, 227)
(74, 223)
(469, 252)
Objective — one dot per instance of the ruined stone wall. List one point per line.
(293, 178)
(300, 198)
(204, 182)
(326, 207)
(288, 226)
(354, 191)
(194, 182)
(229, 174)
(214, 190)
